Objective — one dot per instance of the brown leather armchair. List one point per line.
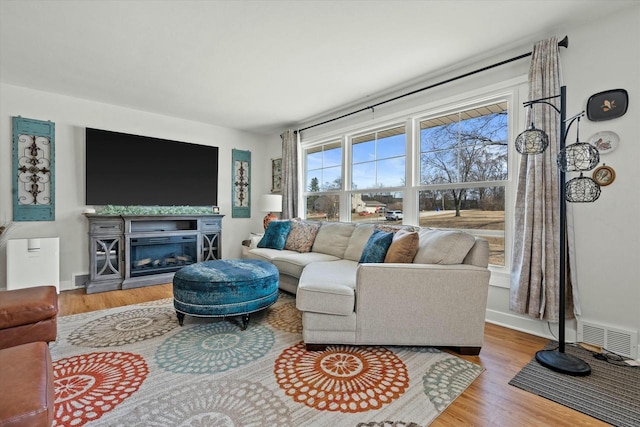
(28, 321)
(26, 373)
(28, 315)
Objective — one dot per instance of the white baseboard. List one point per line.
(539, 328)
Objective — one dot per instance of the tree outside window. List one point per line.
(324, 174)
(463, 173)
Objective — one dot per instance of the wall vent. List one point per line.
(79, 280)
(616, 340)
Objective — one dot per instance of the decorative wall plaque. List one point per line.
(33, 170)
(607, 105)
(604, 175)
(276, 175)
(241, 184)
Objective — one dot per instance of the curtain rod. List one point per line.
(562, 43)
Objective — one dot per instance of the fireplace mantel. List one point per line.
(116, 243)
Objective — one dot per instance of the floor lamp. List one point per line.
(576, 157)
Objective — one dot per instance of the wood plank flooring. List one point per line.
(489, 401)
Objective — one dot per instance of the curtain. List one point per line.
(535, 261)
(289, 174)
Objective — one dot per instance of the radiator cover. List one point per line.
(33, 262)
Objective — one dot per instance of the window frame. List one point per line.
(512, 91)
(350, 144)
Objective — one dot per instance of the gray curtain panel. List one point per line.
(289, 174)
(536, 246)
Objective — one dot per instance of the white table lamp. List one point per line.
(270, 203)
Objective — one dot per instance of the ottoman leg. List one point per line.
(245, 321)
(180, 317)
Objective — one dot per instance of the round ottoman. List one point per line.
(222, 288)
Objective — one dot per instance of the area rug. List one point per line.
(611, 393)
(134, 366)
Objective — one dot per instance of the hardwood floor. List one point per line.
(77, 301)
(489, 401)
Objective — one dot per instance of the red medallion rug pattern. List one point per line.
(136, 367)
(89, 385)
(341, 378)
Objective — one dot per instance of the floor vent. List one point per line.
(619, 341)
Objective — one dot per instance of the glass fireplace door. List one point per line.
(163, 254)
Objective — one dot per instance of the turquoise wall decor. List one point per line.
(241, 184)
(33, 170)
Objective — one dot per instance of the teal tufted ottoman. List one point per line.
(224, 288)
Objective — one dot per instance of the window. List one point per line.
(323, 174)
(374, 207)
(324, 167)
(378, 159)
(463, 173)
(442, 170)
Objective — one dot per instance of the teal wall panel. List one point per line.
(33, 170)
(241, 184)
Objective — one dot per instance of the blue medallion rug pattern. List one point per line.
(213, 347)
(134, 366)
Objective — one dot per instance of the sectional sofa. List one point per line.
(372, 284)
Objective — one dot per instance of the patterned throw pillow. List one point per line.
(395, 228)
(404, 247)
(275, 236)
(376, 248)
(301, 236)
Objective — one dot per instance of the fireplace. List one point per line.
(162, 254)
(131, 251)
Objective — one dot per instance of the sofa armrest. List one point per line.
(252, 241)
(439, 304)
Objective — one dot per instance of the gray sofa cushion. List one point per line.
(288, 262)
(266, 254)
(328, 287)
(293, 263)
(479, 254)
(359, 238)
(333, 238)
(443, 246)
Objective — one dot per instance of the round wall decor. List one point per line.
(605, 141)
(604, 175)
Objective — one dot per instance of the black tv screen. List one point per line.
(123, 169)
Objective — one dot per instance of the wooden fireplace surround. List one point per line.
(110, 245)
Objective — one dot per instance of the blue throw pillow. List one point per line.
(376, 248)
(275, 236)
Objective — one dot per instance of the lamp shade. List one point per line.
(582, 190)
(532, 141)
(271, 203)
(578, 157)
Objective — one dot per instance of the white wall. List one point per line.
(71, 116)
(607, 231)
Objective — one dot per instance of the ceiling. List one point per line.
(260, 66)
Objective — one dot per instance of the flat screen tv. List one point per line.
(123, 169)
